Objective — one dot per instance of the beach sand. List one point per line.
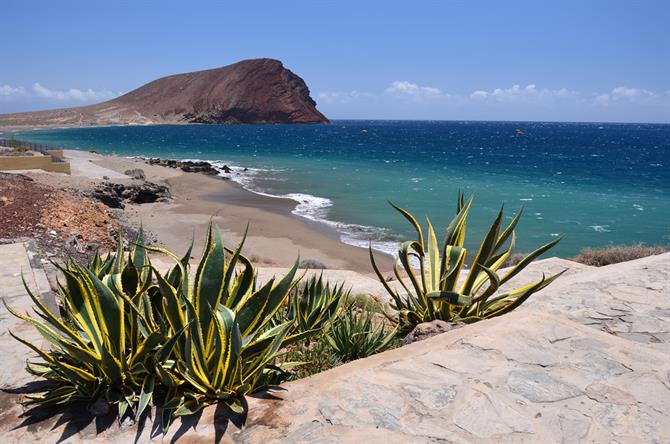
(276, 236)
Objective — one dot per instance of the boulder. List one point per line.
(426, 330)
(136, 173)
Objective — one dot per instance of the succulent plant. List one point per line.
(355, 335)
(434, 290)
(312, 305)
(134, 336)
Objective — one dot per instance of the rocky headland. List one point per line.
(250, 91)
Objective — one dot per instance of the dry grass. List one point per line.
(617, 253)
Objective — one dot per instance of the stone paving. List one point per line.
(565, 368)
(630, 300)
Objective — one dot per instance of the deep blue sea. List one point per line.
(597, 184)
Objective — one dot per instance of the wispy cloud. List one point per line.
(516, 92)
(412, 89)
(636, 95)
(342, 96)
(11, 91)
(72, 94)
(479, 94)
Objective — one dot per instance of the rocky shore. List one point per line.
(174, 200)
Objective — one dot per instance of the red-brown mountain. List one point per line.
(250, 91)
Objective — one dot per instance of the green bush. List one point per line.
(433, 291)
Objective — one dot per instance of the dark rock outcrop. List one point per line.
(250, 91)
(116, 195)
(188, 166)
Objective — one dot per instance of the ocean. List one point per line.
(597, 184)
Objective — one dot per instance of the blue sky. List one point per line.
(485, 60)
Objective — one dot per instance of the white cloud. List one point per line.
(516, 92)
(342, 96)
(412, 89)
(10, 91)
(622, 93)
(71, 94)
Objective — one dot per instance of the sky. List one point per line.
(595, 60)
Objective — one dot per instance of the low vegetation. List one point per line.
(599, 257)
(133, 337)
(435, 291)
(355, 335)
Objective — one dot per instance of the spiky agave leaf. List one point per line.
(432, 291)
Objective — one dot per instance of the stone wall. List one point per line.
(45, 163)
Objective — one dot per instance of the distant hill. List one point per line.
(250, 91)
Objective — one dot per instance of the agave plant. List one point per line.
(436, 293)
(228, 339)
(134, 336)
(105, 344)
(312, 305)
(355, 336)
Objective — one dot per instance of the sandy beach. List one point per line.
(276, 236)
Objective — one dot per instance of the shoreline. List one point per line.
(276, 235)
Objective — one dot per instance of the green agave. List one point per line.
(313, 305)
(435, 292)
(354, 336)
(105, 343)
(135, 336)
(228, 339)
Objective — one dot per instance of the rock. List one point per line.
(135, 173)
(115, 195)
(574, 426)
(226, 169)
(538, 386)
(597, 366)
(250, 91)
(606, 394)
(188, 166)
(485, 416)
(428, 329)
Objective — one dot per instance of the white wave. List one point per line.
(311, 207)
(600, 228)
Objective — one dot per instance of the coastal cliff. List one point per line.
(250, 91)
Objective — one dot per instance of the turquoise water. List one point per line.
(597, 184)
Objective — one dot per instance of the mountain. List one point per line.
(250, 91)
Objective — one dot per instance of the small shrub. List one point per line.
(135, 173)
(600, 257)
(303, 360)
(364, 302)
(355, 335)
(433, 291)
(312, 264)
